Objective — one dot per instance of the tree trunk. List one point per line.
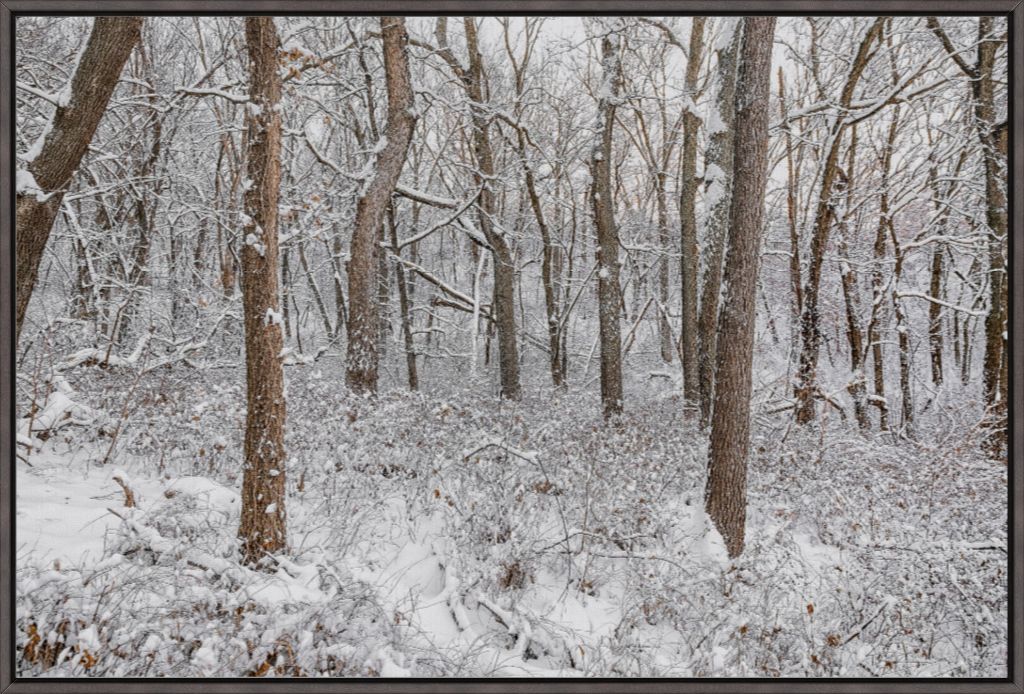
(607, 234)
(40, 186)
(664, 274)
(794, 234)
(504, 291)
(725, 495)
(718, 174)
(262, 529)
(935, 313)
(857, 387)
(688, 220)
(404, 304)
(806, 389)
(364, 306)
(995, 217)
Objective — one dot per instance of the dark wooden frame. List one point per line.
(1014, 9)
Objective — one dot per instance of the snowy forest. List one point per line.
(356, 346)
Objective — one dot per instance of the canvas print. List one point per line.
(525, 346)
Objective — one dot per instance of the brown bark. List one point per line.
(404, 304)
(364, 306)
(725, 494)
(995, 217)
(806, 389)
(935, 313)
(262, 528)
(504, 265)
(71, 129)
(607, 235)
(688, 221)
(717, 177)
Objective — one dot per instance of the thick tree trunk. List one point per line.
(806, 389)
(688, 220)
(40, 186)
(718, 174)
(364, 306)
(602, 197)
(725, 495)
(262, 529)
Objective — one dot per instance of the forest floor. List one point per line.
(451, 534)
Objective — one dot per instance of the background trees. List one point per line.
(508, 229)
(529, 202)
(51, 161)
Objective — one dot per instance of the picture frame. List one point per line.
(1013, 10)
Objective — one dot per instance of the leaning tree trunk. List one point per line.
(363, 300)
(607, 235)
(806, 388)
(40, 186)
(262, 529)
(726, 492)
(718, 184)
(688, 221)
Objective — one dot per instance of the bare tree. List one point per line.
(806, 390)
(982, 84)
(52, 162)
(725, 494)
(363, 269)
(718, 173)
(603, 199)
(688, 220)
(262, 529)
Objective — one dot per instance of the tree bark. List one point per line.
(262, 529)
(718, 174)
(42, 183)
(995, 217)
(603, 201)
(404, 304)
(688, 221)
(363, 300)
(725, 494)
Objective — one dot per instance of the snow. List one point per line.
(455, 527)
(25, 184)
(273, 317)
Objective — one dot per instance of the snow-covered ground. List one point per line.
(450, 534)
